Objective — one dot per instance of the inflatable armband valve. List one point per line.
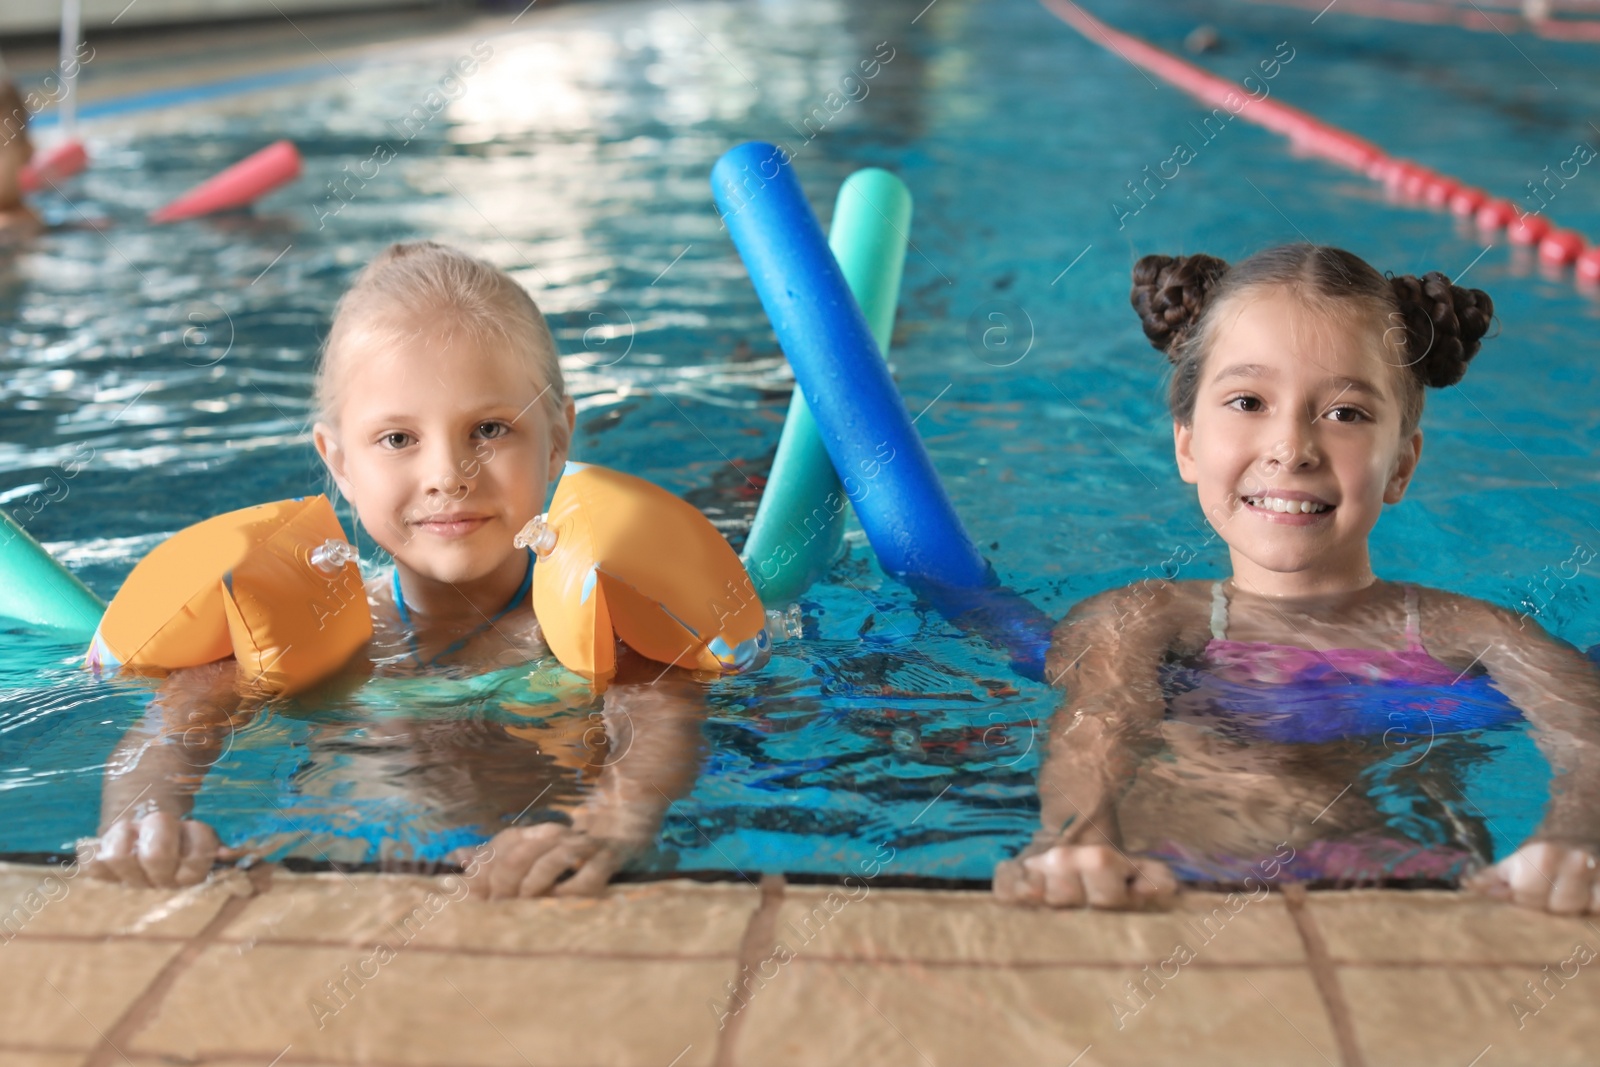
(276, 586)
(619, 557)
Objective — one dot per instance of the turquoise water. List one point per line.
(577, 157)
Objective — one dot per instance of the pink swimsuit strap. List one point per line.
(1260, 661)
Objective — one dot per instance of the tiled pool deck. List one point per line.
(280, 968)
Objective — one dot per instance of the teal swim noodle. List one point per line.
(798, 530)
(37, 590)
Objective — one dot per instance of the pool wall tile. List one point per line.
(909, 1015)
(944, 926)
(1438, 1017)
(664, 919)
(1423, 926)
(66, 994)
(59, 902)
(348, 1005)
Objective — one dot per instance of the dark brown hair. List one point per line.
(1430, 327)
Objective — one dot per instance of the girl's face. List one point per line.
(1295, 410)
(443, 444)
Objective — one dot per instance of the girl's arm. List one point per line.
(154, 773)
(1558, 689)
(1106, 655)
(652, 717)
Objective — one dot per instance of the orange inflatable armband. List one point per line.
(619, 557)
(276, 586)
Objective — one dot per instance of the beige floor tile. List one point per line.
(827, 1014)
(12, 1058)
(675, 918)
(1420, 1017)
(1368, 926)
(900, 924)
(44, 900)
(437, 1009)
(62, 995)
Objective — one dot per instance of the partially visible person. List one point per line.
(17, 220)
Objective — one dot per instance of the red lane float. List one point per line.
(1561, 246)
(1311, 135)
(1528, 229)
(1588, 265)
(244, 182)
(1467, 201)
(58, 164)
(1495, 214)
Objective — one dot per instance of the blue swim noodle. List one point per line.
(864, 424)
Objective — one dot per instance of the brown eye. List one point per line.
(1244, 400)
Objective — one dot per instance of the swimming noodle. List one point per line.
(863, 422)
(619, 557)
(38, 590)
(245, 181)
(57, 164)
(276, 586)
(858, 412)
(798, 530)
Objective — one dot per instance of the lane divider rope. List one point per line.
(1312, 136)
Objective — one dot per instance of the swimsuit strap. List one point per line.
(1219, 612)
(411, 635)
(1219, 616)
(1413, 622)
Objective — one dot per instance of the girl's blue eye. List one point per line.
(493, 429)
(395, 440)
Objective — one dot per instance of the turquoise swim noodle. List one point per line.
(799, 526)
(36, 589)
(886, 472)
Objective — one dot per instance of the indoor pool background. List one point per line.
(171, 368)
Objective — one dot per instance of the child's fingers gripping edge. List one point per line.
(1016, 883)
(1154, 884)
(114, 859)
(1574, 883)
(1058, 870)
(159, 845)
(199, 849)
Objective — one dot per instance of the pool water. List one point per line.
(171, 369)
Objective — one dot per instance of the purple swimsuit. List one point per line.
(1261, 662)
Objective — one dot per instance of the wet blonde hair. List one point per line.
(423, 282)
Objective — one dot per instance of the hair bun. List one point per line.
(1445, 325)
(1169, 292)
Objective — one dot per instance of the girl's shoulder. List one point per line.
(1465, 625)
(1154, 610)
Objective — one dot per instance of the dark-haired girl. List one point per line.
(1296, 396)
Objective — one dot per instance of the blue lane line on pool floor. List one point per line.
(163, 98)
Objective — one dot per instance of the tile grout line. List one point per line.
(754, 947)
(144, 1007)
(1325, 975)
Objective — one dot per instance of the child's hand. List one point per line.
(1558, 878)
(1070, 876)
(158, 849)
(528, 861)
